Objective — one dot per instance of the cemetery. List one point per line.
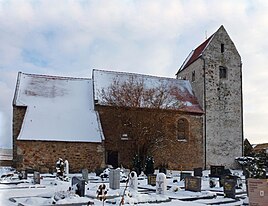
(216, 186)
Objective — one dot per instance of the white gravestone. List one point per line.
(161, 184)
(133, 181)
(66, 167)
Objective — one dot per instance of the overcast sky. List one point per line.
(70, 38)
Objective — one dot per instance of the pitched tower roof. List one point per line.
(197, 52)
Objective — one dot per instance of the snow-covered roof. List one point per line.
(58, 108)
(179, 91)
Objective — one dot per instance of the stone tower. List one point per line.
(215, 70)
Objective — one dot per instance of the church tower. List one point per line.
(215, 70)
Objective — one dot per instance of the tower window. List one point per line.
(222, 48)
(193, 76)
(223, 72)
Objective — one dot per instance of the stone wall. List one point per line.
(153, 132)
(224, 118)
(42, 155)
(221, 99)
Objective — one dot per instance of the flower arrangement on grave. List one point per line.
(102, 192)
(60, 166)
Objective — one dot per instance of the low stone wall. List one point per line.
(43, 155)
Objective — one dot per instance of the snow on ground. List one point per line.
(51, 189)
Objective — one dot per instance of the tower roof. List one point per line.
(197, 52)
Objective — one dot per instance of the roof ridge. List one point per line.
(54, 76)
(138, 74)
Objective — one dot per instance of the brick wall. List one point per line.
(165, 148)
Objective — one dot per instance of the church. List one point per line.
(193, 120)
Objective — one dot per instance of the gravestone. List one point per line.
(133, 181)
(36, 178)
(198, 172)
(184, 174)
(257, 191)
(216, 171)
(66, 167)
(161, 184)
(193, 184)
(85, 174)
(229, 188)
(79, 185)
(114, 179)
(152, 179)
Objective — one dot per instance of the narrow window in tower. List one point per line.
(223, 72)
(222, 48)
(193, 76)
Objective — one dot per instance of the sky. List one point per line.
(70, 38)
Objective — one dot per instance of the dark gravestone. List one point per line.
(36, 178)
(193, 184)
(184, 174)
(152, 180)
(79, 184)
(216, 171)
(198, 172)
(229, 188)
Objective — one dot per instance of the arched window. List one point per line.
(182, 129)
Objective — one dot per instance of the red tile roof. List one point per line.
(195, 54)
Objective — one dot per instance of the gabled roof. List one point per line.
(195, 54)
(178, 93)
(58, 108)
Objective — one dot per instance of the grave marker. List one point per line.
(36, 178)
(85, 174)
(198, 172)
(133, 181)
(152, 180)
(184, 174)
(79, 183)
(257, 191)
(193, 184)
(114, 179)
(229, 188)
(66, 167)
(161, 184)
(216, 171)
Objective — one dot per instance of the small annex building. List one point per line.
(54, 117)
